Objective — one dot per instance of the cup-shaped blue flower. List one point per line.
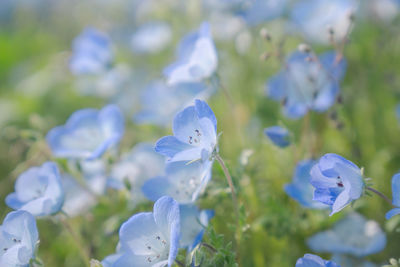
(278, 135)
(396, 196)
(259, 11)
(197, 58)
(91, 52)
(18, 239)
(88, 133)
(323, 20)
(160, 102)
(38, 190)
(337, 181)
(195, 135)
(184, 182)
(193, 222)
(307, 83)
(135, 168)
(151, 37)
(310, 260)
(300, 189)
(149, 238)
(352, 235)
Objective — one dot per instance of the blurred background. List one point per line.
(38, 91)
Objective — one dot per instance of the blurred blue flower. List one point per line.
(310, 260)
(184, 182)
(106, 85)
(398, 112)
(278, 135)
(18, 239)
(337, 181)
(149, 238)
(322, 20)
(151, 37)
(197, 58)
(195, 135)
(77, 200)
(300, 189)
(88, 133)
(255, 12)
(136, 167)
(160, 102)
(91, 52)
(95, 175)
(193, 222)
(346, 260)
(307, 82)
(396, 196)
(38, 190)
(352, 235)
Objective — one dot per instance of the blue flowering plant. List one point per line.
(278, 135)
(91, 53)
(396, 197)
(87, 134)
(197, 58)
(300, 188)
(194, 135)
(149, 238)
(38, 190)
(307, 82)
(19, 239)
(310, 260)
(337, 181)
(354, 235)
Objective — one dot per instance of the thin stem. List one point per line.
(82, 250)
(179, 263)
(229, 179)
(211, 248)
(381, 195)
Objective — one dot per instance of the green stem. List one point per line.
(82, 250)
(381, 195)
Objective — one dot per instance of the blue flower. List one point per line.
(149, 238)
(184, 182)
(278, 135)
(352, 235)
(258, 11)
(398, 112)
(18, 239)
(193, 222)
(195, 135)
(77, 200)
(94, 174)
(337, 181)
(316, 18)
(92, 53)
(38, 190)
(88, 133)
(151, 37)
(160, 102)
(136, 167)
(396, 196)
(307, 83)
(346, 260)
(197, 58)
(300, 189)
(310, 260)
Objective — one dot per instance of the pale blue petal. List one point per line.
(396, 189)
(392, 213)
